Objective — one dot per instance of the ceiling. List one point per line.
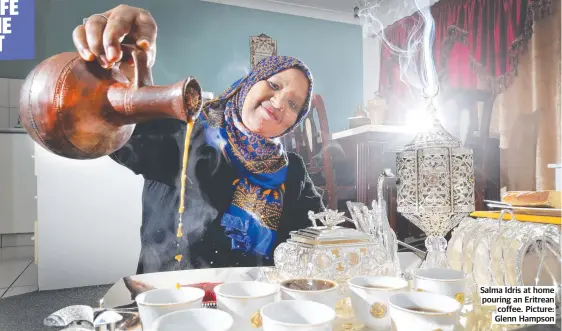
(332, 10)
(340, 6)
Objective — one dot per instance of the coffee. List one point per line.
(425, 310)
(310, 289)
(308, 284)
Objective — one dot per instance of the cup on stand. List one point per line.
(422, 311)
(369, 298)
(449, 282)
(159, 302)
(200, 319)
(288, 315)
(243, 301)
(310, 289)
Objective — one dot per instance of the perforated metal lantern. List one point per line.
(435, 186)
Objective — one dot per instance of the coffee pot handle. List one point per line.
(142, 74)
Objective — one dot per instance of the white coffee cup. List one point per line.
(200, 319)
(423, 311)
(243, 301)
(159, 302)
(369, 298)
(311, 289)
(303, 315)
(449, 282)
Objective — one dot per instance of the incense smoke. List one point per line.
(417, 67)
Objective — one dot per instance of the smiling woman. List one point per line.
(273, 106)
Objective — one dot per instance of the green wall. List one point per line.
(211, 42)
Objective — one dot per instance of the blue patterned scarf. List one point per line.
(252, 219)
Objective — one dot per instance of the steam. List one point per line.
(417, 66)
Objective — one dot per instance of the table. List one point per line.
(119, 295)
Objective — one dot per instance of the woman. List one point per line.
(244, 193)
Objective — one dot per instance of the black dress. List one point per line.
(155, 151)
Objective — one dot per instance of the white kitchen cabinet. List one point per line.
(14, 87)
(4, 92)
(9, 103)
(4, 117)
(18, 184)
(89, 215)
(14, 118)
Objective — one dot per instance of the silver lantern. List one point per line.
(435, 184)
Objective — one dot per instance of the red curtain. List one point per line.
(391, 85)
(472, 37)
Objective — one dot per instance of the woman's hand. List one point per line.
(100, 37)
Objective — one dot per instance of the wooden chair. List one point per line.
(310, 140)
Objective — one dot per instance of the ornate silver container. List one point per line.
(332, 252)
(435, 186)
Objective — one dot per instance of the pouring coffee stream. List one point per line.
(79, 110)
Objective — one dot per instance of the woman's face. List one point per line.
(272, 106)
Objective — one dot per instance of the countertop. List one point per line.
(13, 131)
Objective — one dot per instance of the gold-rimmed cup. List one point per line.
(302, 315)
(449, 282)
(423, 311)
(159, 302)
(243, 301)
(312, 289)
(369, 298)
(200, 319)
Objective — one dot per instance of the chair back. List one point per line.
(310, 139)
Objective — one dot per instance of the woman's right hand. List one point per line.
(100, 37)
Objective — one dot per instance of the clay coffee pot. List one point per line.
(79, 110)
